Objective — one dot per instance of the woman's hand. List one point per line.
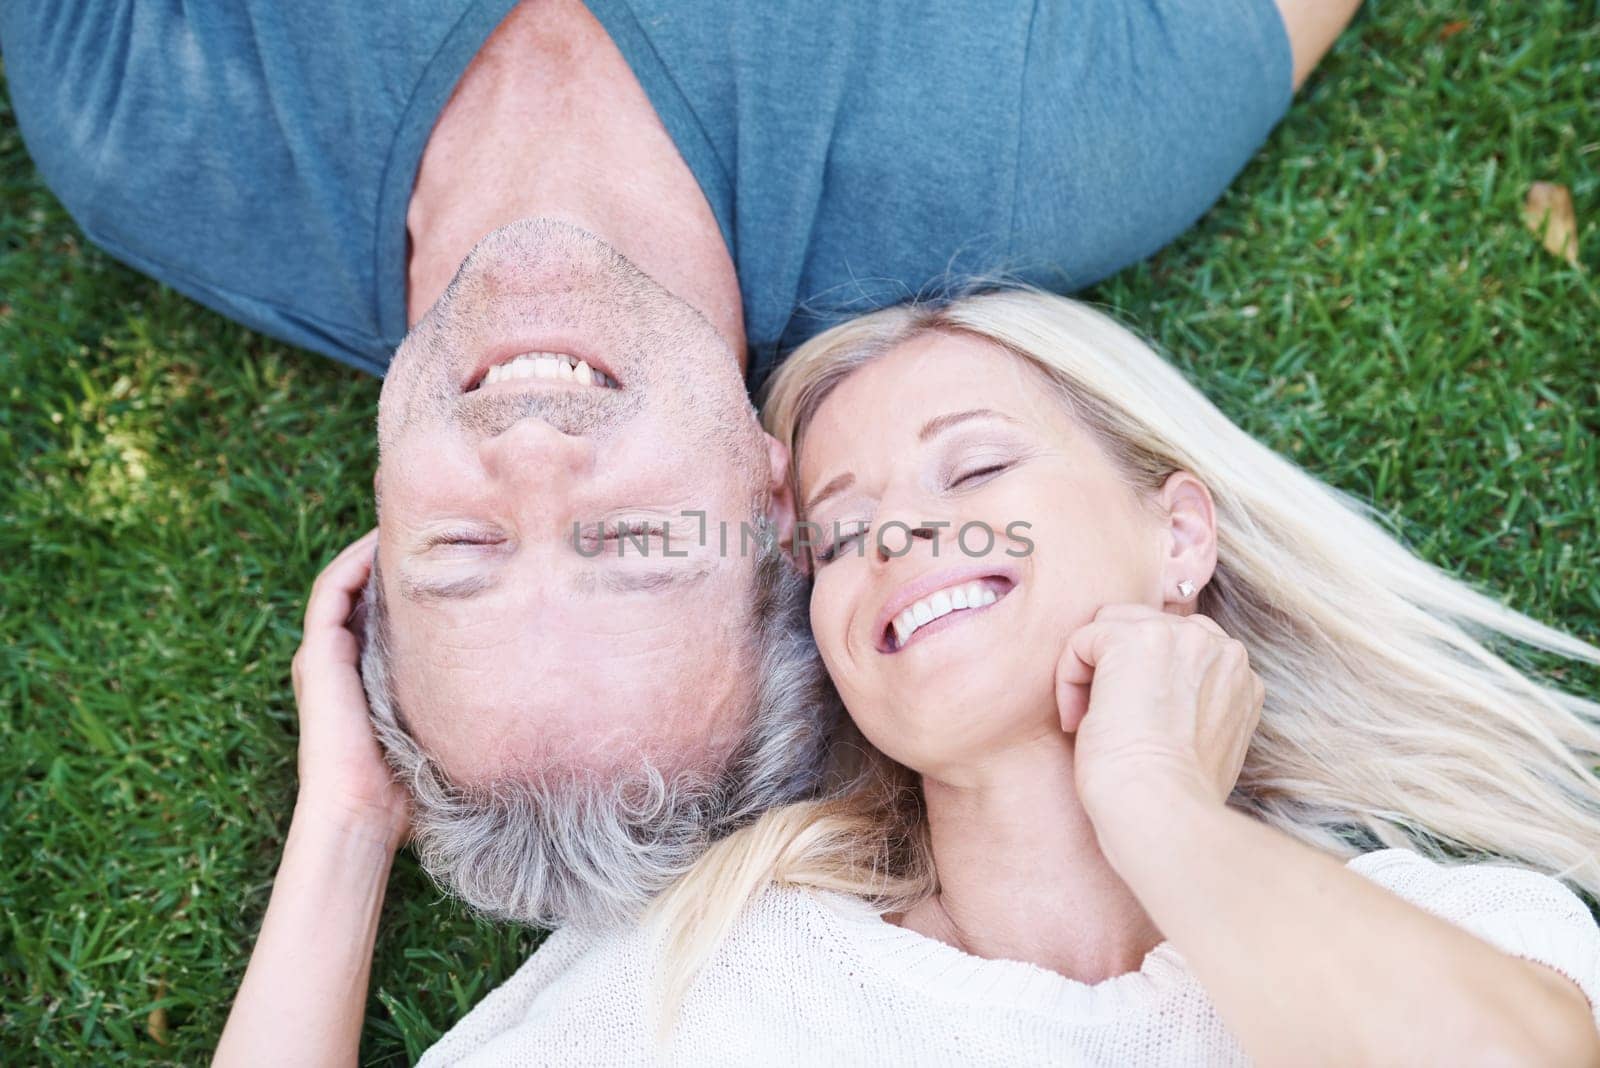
(343, 777)
(1306, 961)
(304, 992)
(1156, 703)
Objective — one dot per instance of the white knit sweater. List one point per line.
(819, 979)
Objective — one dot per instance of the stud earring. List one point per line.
(1186, 589)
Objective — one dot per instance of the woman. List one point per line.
(1040, 556)
(1056, 754)
(1032, 542)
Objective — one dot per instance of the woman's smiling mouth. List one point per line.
(916, 614)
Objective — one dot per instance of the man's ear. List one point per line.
(1191, 538)
(780, 495)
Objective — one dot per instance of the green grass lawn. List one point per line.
(1365, 299)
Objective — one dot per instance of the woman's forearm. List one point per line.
(1313, 26)
(304, 992)
(1309, 962)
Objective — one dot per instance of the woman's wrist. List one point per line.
(1147, 818)
(347, 824)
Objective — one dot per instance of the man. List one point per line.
(642, 205)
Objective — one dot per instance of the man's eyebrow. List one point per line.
(655, 580)
(940, 423)
(836, 485)
(425, 590)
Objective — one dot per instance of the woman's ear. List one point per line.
(1191, 537)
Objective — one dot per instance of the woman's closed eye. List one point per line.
(844, 536)
(966, 462)
(975, 475)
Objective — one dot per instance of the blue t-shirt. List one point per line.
(258, 155)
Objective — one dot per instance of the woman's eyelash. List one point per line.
(831, 551)
(979, 472)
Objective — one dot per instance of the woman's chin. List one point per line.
(967, 685)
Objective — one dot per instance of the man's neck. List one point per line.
(549, 120)
(1021, 874)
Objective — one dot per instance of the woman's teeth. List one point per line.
(552, 365)
(930, 608)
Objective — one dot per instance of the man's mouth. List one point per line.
(942, 608)
(556, 368)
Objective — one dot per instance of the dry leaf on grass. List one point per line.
(1450, 29)
(155, 1024)
(1548, 213)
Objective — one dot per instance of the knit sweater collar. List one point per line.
(939, 970)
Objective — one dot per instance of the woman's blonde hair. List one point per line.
(1388, 720)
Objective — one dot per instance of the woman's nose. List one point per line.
(895, 538)
(533, 455)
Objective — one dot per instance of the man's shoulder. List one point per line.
(243, 152)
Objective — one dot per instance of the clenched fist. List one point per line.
(1155, 700)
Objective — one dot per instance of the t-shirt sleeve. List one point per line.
(1135, 116)
(1519, 912)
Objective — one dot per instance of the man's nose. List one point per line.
(533, 456)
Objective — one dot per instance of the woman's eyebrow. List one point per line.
(837, 485)
(937, 425)
(940, 423)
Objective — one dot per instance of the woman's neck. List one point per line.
(1021, 875)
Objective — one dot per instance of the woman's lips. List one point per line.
(943, 608)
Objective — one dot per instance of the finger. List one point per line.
(1073, 678)
(1072, 666)
(360, 547)
(1075, 669)
(1072, 705)
(360, 550)
(1125, 613)
(1091, 642)
(330, 605)
(333, 594)
(1208, 623)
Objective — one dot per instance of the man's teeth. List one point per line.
(942, 603)
(552, 365)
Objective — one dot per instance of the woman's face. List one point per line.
(954, 438)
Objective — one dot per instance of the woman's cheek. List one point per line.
(828, 621)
